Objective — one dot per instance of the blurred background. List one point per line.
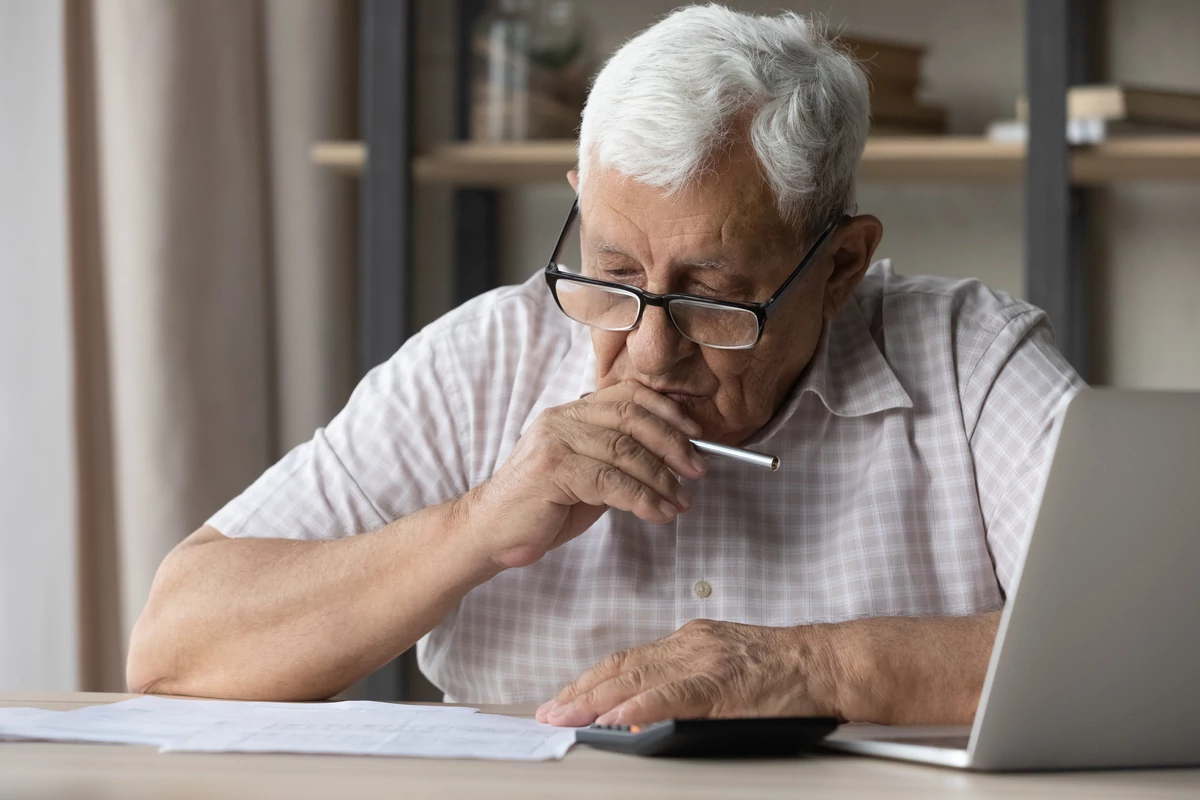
(215, 215)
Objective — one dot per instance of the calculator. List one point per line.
(709, 738)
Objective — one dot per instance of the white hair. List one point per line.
(670, 99)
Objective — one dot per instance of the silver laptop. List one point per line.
(1097, 660)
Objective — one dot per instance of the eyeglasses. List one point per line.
(722, 324)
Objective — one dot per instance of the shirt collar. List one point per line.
(848, 372)
(587, 375)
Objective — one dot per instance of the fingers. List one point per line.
(623, 457)
(609, 694)
(647, 430)
(598, 483)
(609, 667)
(688, 698)
(624, 447)
(656, 403)
(622, 451)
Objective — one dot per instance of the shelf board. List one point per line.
(347, 157)
(885, 159)
(928, 159)
(1158, 158)
(941, 159)
(486, 164)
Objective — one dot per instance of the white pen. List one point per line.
(737, 454)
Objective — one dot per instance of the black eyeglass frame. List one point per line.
(762, 311)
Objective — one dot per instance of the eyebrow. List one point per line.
(609, 248)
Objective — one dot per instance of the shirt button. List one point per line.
(703, 589)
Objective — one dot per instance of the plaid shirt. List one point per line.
(911, 450)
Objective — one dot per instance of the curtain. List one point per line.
(211, 267)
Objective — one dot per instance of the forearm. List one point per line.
(911, 670)
(281, 619)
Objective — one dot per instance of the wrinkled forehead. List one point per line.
(729, 212)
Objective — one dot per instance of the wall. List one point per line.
(37, 482)
(1147, 322)
(1146, 277)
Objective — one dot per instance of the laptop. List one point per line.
(1097, 659)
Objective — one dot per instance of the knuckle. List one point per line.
(614, 662)
(637, 679)
(625, 409)
(624, 447)
(634, 412)
(608, 478)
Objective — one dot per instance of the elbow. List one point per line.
(159, 638)
(147, 671)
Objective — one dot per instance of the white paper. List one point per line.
(16, 717)
(163, 721)
(349, 728)
(423, 735)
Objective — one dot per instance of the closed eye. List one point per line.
(705, 290)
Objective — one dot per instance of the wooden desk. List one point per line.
(78, 771)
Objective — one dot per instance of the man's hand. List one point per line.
(621, 447)
(705, 669)
(889, 670)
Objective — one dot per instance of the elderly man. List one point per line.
(515, 489)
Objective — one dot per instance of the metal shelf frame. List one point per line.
(1062, 48)
(385, 214)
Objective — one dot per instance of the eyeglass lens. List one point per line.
(614, 309)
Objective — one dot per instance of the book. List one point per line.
(1128, 104)
(895, 111)
(1083, 130)
(902, 129)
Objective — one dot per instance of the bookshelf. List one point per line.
(925, 159)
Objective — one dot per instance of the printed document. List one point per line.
(348, 728)
(427, 735)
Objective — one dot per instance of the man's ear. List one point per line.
(573, 179)
(852, 247)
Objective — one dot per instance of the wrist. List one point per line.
(833, 668)
(466, 523)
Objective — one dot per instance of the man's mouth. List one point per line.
(681, 397)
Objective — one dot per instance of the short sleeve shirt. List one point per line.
(911, 446)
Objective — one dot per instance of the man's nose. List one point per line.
(656, 345)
